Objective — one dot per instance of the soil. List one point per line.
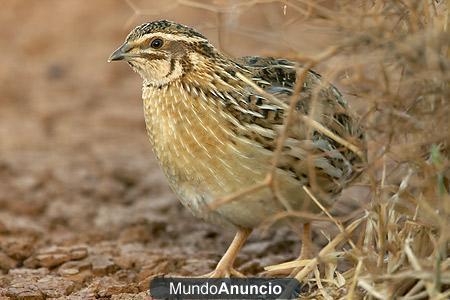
(85, 211)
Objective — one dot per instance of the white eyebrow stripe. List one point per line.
(169, 37)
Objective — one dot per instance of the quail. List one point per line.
(214, 129)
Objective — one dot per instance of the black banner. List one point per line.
(224, 288)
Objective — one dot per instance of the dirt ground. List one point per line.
(84, 209)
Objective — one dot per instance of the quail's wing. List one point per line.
(334, 164)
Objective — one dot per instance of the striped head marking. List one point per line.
(163, 51)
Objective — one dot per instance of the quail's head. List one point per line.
(163, 51)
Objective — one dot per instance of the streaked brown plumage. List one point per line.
(213, 134)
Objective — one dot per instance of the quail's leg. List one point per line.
(225, 266)
(305, 253)
(306, 250)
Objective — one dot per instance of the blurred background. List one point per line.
(84, 208)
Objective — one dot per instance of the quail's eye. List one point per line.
(156, 43)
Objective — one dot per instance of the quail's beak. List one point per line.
(122, 53)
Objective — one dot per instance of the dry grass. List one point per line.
(395, 59)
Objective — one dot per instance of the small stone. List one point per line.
(102, 265)
(69, 272)
(76, 271)
(78, 253)
(55, 256)
(17, 247)
(6, 262)
(52, 260)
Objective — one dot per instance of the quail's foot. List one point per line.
(224, 268)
